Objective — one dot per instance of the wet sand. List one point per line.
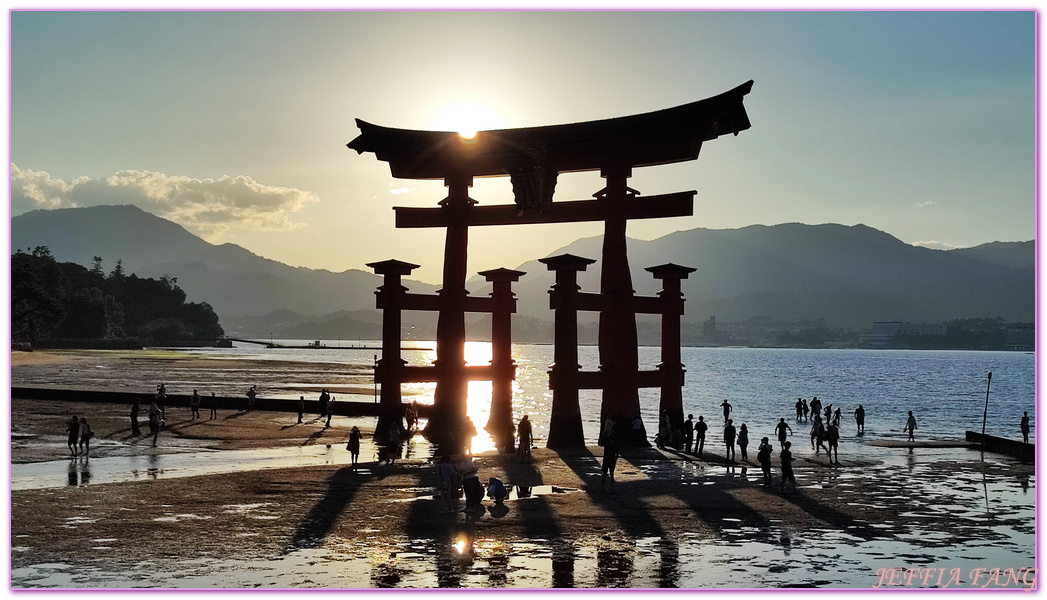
(672, 520)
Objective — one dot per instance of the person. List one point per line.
(449, 478)
(330, 403)
(699, 435)
(688, 433)
(214, 407)
(833, 435)
(496, 490)
(301, 408)
(324, 396)
(393, 446)
(135, 409)
(524, 434)
(806, 411)
(787, 466)
(411, 414)
(743, 441)
(729, 434)
(763, 456)
(859, 418)
(251, 393)
(828, 413)
(664, 430)
(85, 437)
(155, 421)
(194, 405)
(816, 407)
(354, 444)
(610, 457)
(726, 409)
(161, 400)
(1025, 427)
(639, 434)
(799, 408)
(474, 490)
(910, 426)
(818, 435)
(782, 429)
(73, 428)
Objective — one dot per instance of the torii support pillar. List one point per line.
(565, 423)
(619, 354)
(503, 369)
(671, 366)
(447, 427)
(389, 370)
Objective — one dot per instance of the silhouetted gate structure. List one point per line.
(533, 158)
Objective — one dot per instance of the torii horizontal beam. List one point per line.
(677, 204)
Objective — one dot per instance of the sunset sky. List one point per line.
(234, 124)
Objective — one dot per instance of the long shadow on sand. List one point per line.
(321, 518)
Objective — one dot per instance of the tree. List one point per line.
(96, 266)
(118, 270)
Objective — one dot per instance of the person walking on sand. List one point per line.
(859, 418)
(194, 405)
(154, 421)
(330, 402)
(85, 437)
(832, 434)
(726, 409)
(524, 433)
(743, 441)
(818, 436)
(787, 466)
(324, 397)
(781, 430)
(214, 407)
(699, 435)
(251, 393)
(729, 435)
(763, 456)
(72, 427)
(910, 426)
(354, 444)
(688, 434)
(301, 408)
(1025, 427)
(135, 409)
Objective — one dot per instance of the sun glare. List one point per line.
(467, 118)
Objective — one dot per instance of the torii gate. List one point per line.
(533, 158)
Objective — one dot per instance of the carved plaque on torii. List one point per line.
(533, 158)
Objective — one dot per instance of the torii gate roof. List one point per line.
(655, 138)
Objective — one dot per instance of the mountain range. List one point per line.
(848, 276)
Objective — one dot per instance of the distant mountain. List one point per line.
(231, 279)
(848, 276)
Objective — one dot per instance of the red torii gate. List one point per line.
(533, 158)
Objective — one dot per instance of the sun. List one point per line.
(467, 118)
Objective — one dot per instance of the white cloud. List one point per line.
(208, 207)
(934, 245)
(400, 190)
(926, 203)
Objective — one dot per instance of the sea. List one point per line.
(949, 392)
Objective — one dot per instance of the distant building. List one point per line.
(1020, 336)
(709, 328)
(883, 332)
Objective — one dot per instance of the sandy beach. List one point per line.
(673, 520)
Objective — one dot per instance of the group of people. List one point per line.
(465, 478)
(80, 435)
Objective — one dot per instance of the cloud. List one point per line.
(936, 245)
(208, 207)
(923, 204)
(396, 191)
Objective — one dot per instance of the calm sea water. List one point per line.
(946, 390)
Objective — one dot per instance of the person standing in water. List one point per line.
(699, 435)
(729, 434)
(726, 409)
(73, 429)
(1025, 427)
(859, 418)
(743, 441)
(85, 437)
(910, 426)
(782, 429)
(135, 409)
(763, 456)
